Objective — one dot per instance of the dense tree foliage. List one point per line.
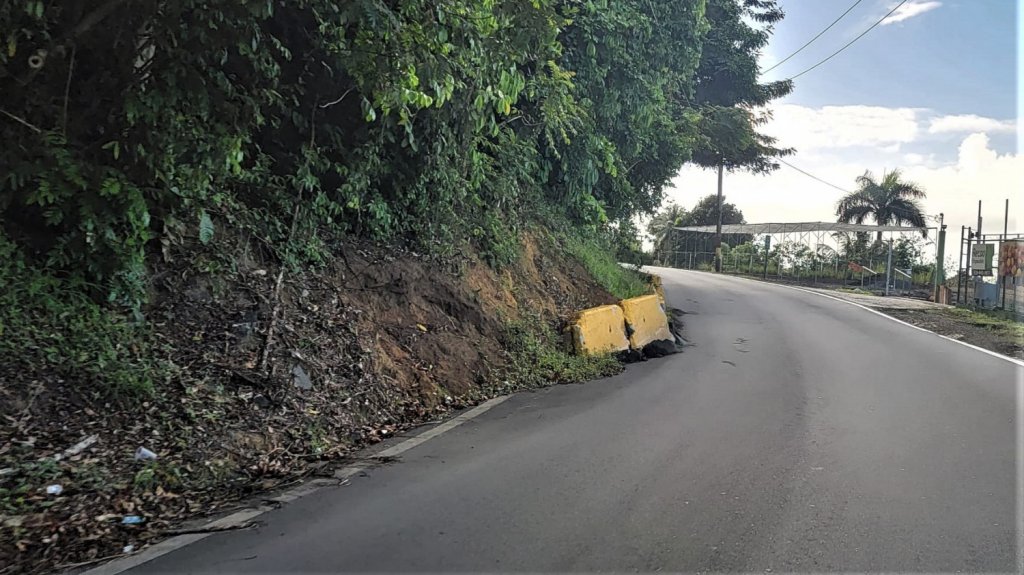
(727, 92)
(705, 213)
(436, 122)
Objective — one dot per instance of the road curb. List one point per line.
(245, 516)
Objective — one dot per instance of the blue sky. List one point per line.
(957, 58)
(932, 91)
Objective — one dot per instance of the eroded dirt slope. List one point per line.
(378, 341)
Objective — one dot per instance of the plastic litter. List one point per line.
(143, 454)
(76, 448)
(131, 520)
(128, 549)
(54, 489)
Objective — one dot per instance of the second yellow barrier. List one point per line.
(658, 289)
(646, 319)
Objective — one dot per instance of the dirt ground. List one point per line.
(1001, 336)
(878, 301)
(377, 342)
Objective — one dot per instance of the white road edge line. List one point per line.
(897, 320)
(876, 312)
(246, 515)
(1020, 407)
(1019, 386)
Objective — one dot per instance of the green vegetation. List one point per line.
(48, 321)
(539, 356)
(992, 320)
(445, 125)
(890, 200)
(600, 260)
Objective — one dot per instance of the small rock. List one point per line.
(300, 378)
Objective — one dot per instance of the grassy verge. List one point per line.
(981, 329)
(540, 356)
(1007, 327)
(599, 260)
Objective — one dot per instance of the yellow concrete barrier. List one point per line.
(658, 288)
(600, 330)
(645, 316)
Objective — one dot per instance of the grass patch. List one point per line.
(540, 356)
(599, 260)
(990, 321)
(50, 325)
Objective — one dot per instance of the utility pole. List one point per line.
(940, 255)
(960, 270)
(977, 234)
(1006, 223)
(767, 247)
(718, 227)
(888, 268)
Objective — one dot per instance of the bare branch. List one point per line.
(22, 121)
(67, 94)
(329, 104)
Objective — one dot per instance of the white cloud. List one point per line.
(970, 123)
(979, 173)
(914, 159)
(838, 143)
(809, 129)
(909, 10)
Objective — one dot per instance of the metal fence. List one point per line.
(832, 271)
(988, 286)
(813, 253)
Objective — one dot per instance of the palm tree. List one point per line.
(660, 226)
(890, 200)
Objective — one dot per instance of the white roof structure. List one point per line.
(797, 227)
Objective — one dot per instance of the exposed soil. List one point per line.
(994, 335)
(379, 341)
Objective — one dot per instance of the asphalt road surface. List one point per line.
(796, 434)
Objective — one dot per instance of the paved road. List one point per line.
(797, 434)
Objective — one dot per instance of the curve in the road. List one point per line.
(796, 434)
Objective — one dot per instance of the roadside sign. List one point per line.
(1011, 260)
(981, 259)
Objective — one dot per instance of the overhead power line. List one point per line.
(811, 41)
(812, 176)
(850, 43)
